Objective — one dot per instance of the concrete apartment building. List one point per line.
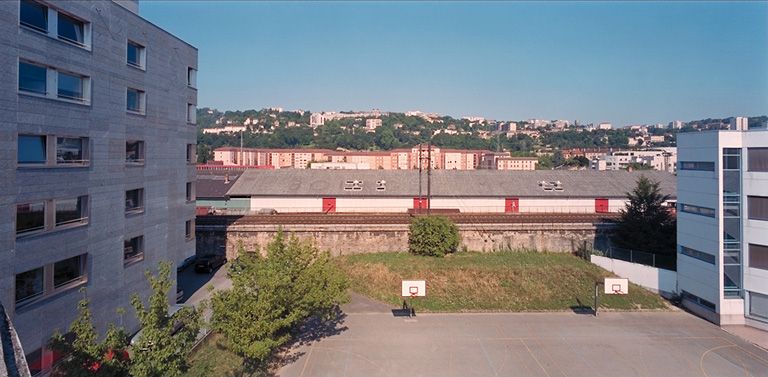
(722, 226)
(664, 159)
(97, 143)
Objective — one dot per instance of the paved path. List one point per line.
(675, 344)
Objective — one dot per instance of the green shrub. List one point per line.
(433, 236)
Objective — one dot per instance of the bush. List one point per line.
(433, 235)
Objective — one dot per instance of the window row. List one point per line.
(758, 256)
(51, 150)
(65, 151)
(697, 165)
(39, 79)
(45, 281)
(700, 255)
(757, 207)
(696, 210)
(47, 215)
(55, 23)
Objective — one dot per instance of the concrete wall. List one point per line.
(655, 279)
(368, 238)
(107, 125)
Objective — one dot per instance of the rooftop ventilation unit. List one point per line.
(551, 185)
(381, 185)
(353, 185)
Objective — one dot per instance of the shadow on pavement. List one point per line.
(190, 281)
(313, 330)
(581, 308)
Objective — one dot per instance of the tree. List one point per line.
(432, 236)
(161, 349)
(272, 294)
(84, 354)
(645, 222)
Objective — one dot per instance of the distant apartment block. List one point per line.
(316, 120)
(98, 152)
(722, 225)
(225, 129)
(739, 124)
(604, 126)
(664, 159)
(441, 158)
(372, 124)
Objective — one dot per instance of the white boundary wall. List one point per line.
(655, 279)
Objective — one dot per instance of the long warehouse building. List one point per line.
(372, 191)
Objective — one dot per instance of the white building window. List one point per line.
(191, 77)
(35, 79)
(191, 113)
(50, 279)
(52, 151)
(134, 152)
(136, 55)
(134, 201)
(54, 23)
(136, 101)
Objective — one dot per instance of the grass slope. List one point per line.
(212, 358)
(501, 281)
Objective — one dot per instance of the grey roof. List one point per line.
(211, 184)
(445, 183)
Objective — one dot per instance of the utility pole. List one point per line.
(242, 156)
(419, 209)
(429, 177)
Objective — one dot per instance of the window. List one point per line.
(133, 250)
(33, 78)
(29, 285)
(191, 77)
(191, 154)
(31, 149)
(696, 210)
(134, 152)
(71, 86)
(697, 165)
(189, 229)
(698, 300)
(136, 55)
(757, 207)
(134, 201)
(71, 29)
(758, 305)
(34, 15)
(67, 271)
(757, 159)
(700, 255)
(135, 100)
(30, 217)
(758, 256)
(190, 192)
(50, 279)
(191, 113)
(36, 78)
(71, 211)
(71, 150)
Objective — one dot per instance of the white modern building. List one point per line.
(664, 159)
(97, 154)
(722, 232)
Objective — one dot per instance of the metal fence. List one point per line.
(668, 262)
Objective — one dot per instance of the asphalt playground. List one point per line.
(371, 341)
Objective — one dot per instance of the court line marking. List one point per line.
(306, 362)
(701, 359)
(534, 358)
(487, 359)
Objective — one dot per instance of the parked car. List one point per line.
(186, 263)
(177, 324)
(208, 263)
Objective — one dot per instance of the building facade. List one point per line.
(97, 145)
(722, 229)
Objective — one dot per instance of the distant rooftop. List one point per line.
(446, 183)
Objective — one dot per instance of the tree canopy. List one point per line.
(646, 224)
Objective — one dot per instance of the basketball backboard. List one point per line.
(616, 286)
(414, 288)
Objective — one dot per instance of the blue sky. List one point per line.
(623, 62)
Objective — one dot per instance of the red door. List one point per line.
(511, 205)
(420, 203)
(601, 205)
(329, 205)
